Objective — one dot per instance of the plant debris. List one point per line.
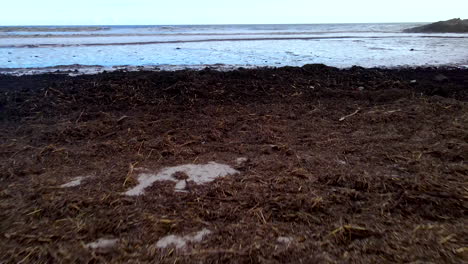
(387, 184)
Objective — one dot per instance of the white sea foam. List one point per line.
(241, 160)
(102, 243)
(342, 162)
(284, 240)
(199, 174)
(74, 182)
(181, 241)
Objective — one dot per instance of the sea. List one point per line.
(90, 49)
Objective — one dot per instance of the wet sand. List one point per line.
(332, 166)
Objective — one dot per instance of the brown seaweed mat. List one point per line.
(334, 166)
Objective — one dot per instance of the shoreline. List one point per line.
(77, 69)
(315, 164)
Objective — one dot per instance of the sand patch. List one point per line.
(199, 174)
(181, 241)
(75, 182)
(102, 243)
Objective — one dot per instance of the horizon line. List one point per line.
(220, 24)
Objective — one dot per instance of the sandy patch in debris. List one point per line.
(102, 243)
(75, 182)
(181, 241)
(199, 174)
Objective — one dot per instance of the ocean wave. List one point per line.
(51, 29)
(79, 69)
(280, 33)
(216, 40)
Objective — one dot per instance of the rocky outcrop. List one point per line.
(456, 25)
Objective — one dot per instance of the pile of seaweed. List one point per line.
(332, 166)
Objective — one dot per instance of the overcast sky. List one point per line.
(170, 12)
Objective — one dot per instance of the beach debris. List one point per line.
(346, 116)
(352, 232)
(199, 174)
(181, 241)
(447, 239)
(361, 88)
(74, 182)
(284, 240)
(121, 119)
(413, 81)
(462, 252)
(102, 244)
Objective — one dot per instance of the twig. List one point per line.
(346, 116)
(131, 168)
(79, 117)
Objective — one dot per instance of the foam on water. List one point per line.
(284, 240)
(74, 182)
(181, 241)
(102, 243)
(242, 160)
(198, 174)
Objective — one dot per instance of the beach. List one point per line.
(310, 164)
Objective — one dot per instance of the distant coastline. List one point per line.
(455, 25)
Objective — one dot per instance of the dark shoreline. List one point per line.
(345, 165)
(426, 77)
(78, 69)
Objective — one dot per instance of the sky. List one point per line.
(174, 12)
